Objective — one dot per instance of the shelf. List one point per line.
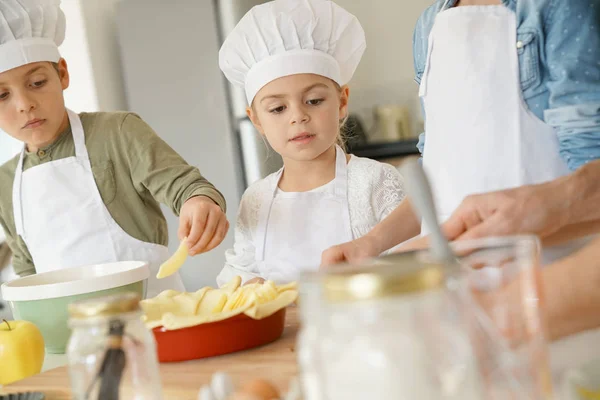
(381, 150)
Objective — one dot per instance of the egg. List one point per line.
(221, 385)
(258, 389)
(243, 396)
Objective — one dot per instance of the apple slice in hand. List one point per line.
(175, 262)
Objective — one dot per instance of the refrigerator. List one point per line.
(169, 56)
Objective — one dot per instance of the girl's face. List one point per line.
(300, 115)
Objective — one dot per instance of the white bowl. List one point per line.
(43, 299)
(73, 281)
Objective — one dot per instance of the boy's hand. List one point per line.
(204, 224)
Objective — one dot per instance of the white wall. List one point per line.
(385, 74)
(101, 29)
(81, 95)
(92, 54)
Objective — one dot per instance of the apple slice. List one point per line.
(175, 262)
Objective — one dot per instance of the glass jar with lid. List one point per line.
(387, 330)
(111, 354)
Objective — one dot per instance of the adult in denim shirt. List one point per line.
(481, 135)
(558, 45)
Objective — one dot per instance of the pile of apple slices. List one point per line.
(175, 310)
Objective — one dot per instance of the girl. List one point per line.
(294, 59)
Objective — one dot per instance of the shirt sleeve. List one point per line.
(22, 261)
(388, 191)
(420, 49)
(572, 48)
(160, 170)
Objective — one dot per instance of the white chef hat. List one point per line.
(287, 37)
(30, 31)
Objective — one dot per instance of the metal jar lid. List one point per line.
(397, 274)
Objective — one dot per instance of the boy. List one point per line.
(86, 188)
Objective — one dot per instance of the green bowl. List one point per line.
(43, 299)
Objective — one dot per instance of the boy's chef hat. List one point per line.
(286, 37)
(30, 31)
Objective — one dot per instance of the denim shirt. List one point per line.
(558, 45)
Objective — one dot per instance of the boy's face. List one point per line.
(32, 107)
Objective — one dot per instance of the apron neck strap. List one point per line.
(16, 194)
(275, 182)
(341, 173)
(78, 135)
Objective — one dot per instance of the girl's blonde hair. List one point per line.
(342, 131)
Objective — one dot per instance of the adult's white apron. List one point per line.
(60, 215)
(295, 228)
(480, 135)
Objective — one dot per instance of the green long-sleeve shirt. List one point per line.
(134, 169)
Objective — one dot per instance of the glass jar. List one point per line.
(390, 330)
(111, 354)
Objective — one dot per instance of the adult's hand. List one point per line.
(533, 209)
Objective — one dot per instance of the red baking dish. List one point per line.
(217, 338)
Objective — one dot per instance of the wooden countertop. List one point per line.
(277, 362)
(182, 381)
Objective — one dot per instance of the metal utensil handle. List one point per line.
(419, 190)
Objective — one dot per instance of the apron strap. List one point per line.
(341, 188)
(266, 203)
(16, 195)
(341, 174)
(78, 136)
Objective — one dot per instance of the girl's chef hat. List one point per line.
(287, 37)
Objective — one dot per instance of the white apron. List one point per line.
(60, 215)
(480, 135)
(295, 228)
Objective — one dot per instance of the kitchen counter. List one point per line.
(52, 361)
(275, 361)
(182, 381)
